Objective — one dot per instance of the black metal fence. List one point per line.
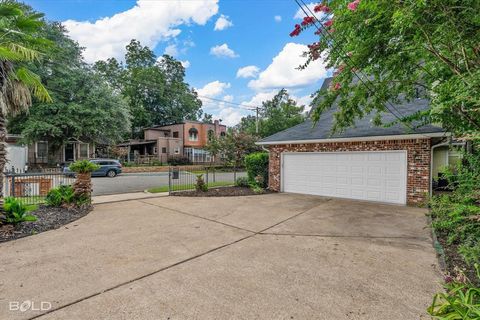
(32, 188)
(185, 178)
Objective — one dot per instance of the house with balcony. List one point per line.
(186, 139)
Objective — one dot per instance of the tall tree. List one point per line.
(155, 88)
(20, 45)
(400, 50)
(277, 114)
(84, 107)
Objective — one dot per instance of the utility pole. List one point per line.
(256, 121)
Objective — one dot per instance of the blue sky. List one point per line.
(233, 50)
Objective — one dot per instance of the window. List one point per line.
(154, 150)
(176, 150)
(41, 149)
(175, 134)
(83, 150)
(164, 150)
(193, 134)
(210, 135)
(222, 134)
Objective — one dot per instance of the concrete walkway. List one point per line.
(126, 197)
(276, 256)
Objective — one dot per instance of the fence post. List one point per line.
(206, 170)
(13, 186)
(169, 179)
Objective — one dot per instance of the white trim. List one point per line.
(373, 138)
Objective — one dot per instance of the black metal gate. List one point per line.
(183, 178)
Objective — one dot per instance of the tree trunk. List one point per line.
(83, 186)
(3, 155)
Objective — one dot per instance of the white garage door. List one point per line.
(373, 176)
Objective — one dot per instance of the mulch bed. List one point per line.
(454, 259)
(48, 218)
(219, 192)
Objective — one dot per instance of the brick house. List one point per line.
(387, 164)
(186, 139)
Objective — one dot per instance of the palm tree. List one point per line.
(20, 46)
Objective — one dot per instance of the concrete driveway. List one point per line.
(276, 256)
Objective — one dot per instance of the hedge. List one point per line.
(257, 168)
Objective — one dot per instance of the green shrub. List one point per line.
(200, 185)
(257, 168)
(257, 189)
(242, 182)
(60, 195)
(83, 166)
(460, 301)
(16, 211)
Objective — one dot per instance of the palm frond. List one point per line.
(7, 54)
(25, 53)
(34, 83)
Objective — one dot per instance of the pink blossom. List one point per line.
(321, 8)
(329, 23)
(352, 6)
(336, 86)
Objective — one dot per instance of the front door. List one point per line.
(69, 152)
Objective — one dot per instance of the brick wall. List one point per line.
(418, 158)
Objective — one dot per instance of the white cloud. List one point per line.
(213, 89)
(171, 50)
(259, 97)
(278, 18)
(230, 116)
(300, 14)
(148, 21)
(248, 72)
(185, 63)
(222, 23)
(283, 71)
(223, 51)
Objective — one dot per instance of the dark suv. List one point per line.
(108, 168)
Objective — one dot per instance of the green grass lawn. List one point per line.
(189, 186)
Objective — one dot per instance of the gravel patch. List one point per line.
(48, 218)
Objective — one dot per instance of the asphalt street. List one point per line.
(134, 182)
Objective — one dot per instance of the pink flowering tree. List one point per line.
(399, 48)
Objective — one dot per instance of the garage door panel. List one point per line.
(374, 176)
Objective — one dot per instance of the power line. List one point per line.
(325, 33)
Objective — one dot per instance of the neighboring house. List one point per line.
(44, 153)
(16, 154)
(186, 139)
(386, 164)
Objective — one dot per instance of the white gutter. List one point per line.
(372, 138)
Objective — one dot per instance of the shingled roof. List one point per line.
(308, 131)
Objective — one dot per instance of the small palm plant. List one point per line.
(83, 184)
(20, 45)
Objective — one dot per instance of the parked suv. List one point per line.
(108, 168)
